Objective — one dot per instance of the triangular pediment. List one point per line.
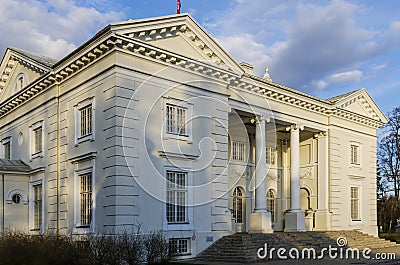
(180, 34)
(18, 68)
(361, 102)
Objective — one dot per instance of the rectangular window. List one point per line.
(238, 151)
(176, 197)
(179, 246)
(271, 155)
(37, 140)
(355, 204)
(355, 154)
(85, 199)
(85, 119)
(37, 207)
(7, 148)
(176, 120)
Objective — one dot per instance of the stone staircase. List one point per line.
(243, 247)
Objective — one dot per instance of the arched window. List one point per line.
(16, 196)
(271, 204)
(238, 205)
(304, 199)
(20, 82)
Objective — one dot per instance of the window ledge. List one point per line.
(36, 155)
(84, 139)
(82, 230)
(169, 136)
(356, 222)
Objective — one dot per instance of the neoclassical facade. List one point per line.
(152, 123)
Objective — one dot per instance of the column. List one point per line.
(260, 218)
(261, 166)
(322, 215)
(294, 218)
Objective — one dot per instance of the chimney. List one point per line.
(247, 68)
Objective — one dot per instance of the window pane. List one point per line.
(355, 204)
(176, 195)
(86, 199)
(355, 154)
(179, 246)
(238, 205)
(271, 200)
(85, 121)
(238, 151)
(175, 120)
(37, 206)
(37, 140)
(7, 150)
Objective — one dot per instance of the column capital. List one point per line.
(295, 127)
(321, 134)
(260, 118)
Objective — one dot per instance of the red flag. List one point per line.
(178, 7)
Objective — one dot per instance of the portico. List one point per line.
(288, 161)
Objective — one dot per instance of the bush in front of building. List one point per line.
(127, 248)
(21, 248)
(394, 237)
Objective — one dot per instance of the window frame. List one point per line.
(4, 142)
(358, 155)
(78, 126)
(18, 85)
(168, 101)
(37, 181)
(239, 205)
(32, 137)
(187, 240)
(13, 192)
(359, 201)
(271, 201)
(189, 226)
(78, 227)
(241, 146)
(271, 155)
(175, 193)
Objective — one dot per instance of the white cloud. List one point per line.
(255, 53)
(379, 67)
(304, 43)
(53, 28)
(350, 76)
(319, 84)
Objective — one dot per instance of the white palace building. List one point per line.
(152, 123)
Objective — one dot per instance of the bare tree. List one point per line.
(388, 173)
(389, 152)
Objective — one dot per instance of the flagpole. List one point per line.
(178, 6)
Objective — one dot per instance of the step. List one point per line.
(243, 247)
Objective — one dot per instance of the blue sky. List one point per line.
(322, 47)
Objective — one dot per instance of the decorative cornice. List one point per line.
(262, 87)
(364, 103)
(6, 73)
(37, 69)
(298, 99)
(12, 64)
(169, 155)
(174, 30)
(84, 157)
